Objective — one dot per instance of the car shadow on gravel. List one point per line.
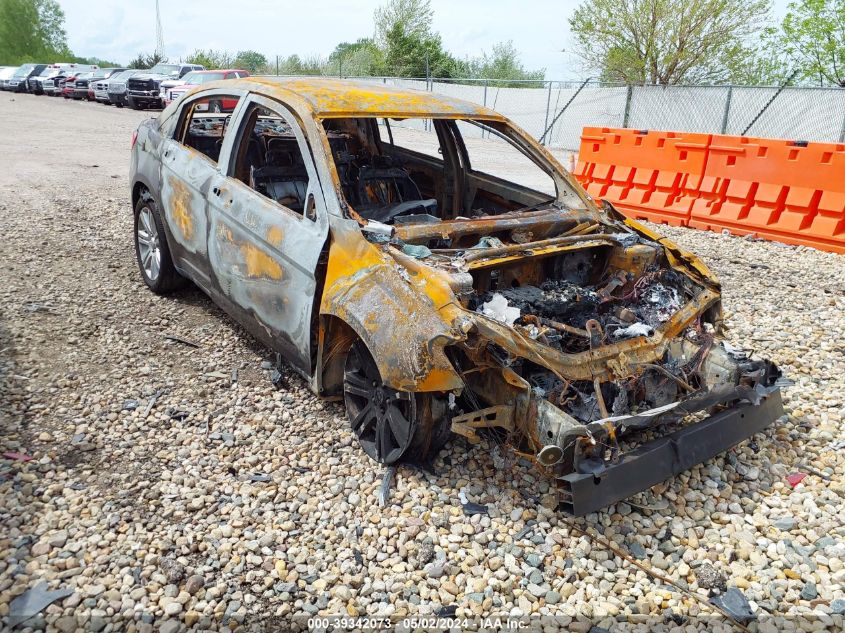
(192, 297)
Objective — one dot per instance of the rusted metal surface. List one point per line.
(402, 327)
(328, 97)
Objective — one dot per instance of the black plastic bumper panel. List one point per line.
(667, 456)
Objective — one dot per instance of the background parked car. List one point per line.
(18, 81)
(35, 83)
(80, 85)
(117, 86)
(67, 86)
(6, 73)
(84, 88)
(197, 77)
(101, 90)
(144, 90)
(52, 86)
(38, 83)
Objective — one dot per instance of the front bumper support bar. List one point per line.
(665, 457)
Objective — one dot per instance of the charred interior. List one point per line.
(578, 328)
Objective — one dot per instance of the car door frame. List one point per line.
(263, 256)
(184, 211)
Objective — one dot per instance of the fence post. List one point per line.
(277, 65)
(727, 109)
(562, 110)
(842, 133)
(628, 97)
(548, 105)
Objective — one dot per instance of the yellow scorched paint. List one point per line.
(275, 235)
(340, 97)
(180, 208)
(259, 264)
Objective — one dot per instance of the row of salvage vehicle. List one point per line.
(139, 89)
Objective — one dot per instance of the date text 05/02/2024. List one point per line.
(433, 623)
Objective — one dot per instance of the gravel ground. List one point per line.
(163, 494)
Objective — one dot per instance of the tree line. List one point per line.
(667, 42)
(404, 44)
(33, 31)
(660, 42)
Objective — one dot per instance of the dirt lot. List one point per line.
(164, 494)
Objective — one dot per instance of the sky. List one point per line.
(118, 30)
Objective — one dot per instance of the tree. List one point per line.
(813, 36)
(414, 16)
(409, 47)
(503, 64)
(250, 60)
(410, 54)
(147, 60)
(666, 41)
(210, 59)
(95, 61)
(32, 31)
(296, 65)
(356, 59)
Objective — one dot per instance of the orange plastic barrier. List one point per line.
(660, 189)
(787, 191)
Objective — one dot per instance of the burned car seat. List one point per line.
(386, 191)
(282, 177)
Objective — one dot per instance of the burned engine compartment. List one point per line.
(574, 330)
(589, 333)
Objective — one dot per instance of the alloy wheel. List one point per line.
(383, 419)
(149, 245)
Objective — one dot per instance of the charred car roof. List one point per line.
(331, 98)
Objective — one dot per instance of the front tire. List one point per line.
(391, 425)
(152, 251)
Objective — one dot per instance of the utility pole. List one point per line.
(159, 34)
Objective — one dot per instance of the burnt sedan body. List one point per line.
(426, 261)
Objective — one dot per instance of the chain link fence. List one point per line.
(555, 112)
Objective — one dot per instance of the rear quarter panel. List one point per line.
(145, 161)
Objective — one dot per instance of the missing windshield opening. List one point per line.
(394, 171)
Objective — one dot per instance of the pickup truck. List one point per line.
(18, 81)
(84, 88)
(198, 77)
(144, 89)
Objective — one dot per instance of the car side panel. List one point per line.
(185, 180)
(264, 257)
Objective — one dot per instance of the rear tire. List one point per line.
(152, 250)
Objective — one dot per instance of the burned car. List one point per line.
(424, 260)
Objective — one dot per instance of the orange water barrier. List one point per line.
(785, 191)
